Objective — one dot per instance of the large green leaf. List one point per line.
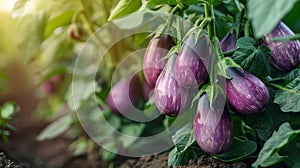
(184, 137)
(30, 33)
(124, 7)
(56, 128)
(238, 150)
(266, 14)
(252, 58)
(289, 97)
(267, 121)
(269, 156)
(177, 158)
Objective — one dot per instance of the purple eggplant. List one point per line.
(190, 67)
(125, 95)
(213, 129)
(156, 50)
(228, 43)
(285, 54)
(170, 98)
(245, 92)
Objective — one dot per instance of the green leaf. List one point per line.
(184, 137)
(182, 2)
(252, 59)
(238, 150)
(56, 128)
(289, 97)
(58, 21)
(269, 156)
(30, 33)
(267, 121)
(266, 14)
(292, 150)
(176, 158)
(124, 7)
(7, 110)
(132, 132)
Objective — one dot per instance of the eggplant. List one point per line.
(190, 67)
(213, 129)
(245, 92)
(125, 95)
(170, 98)
(228, 43)
(285, 54)
(156, 50)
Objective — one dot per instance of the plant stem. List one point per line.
(286, 38)
(283, 88)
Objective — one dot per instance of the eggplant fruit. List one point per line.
(156, 50)
(213, 129)
(228, 43)
(125, 95)
(285, 54)
(170, 98)
(191, 63)
(245, 92)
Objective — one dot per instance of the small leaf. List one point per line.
(124, 7)
(7, 110)
(266, 14)
(176, 158)
(238, 151)
(132, 132)
(58, 21)
(269, 156)
(184, 137)
(56, 128)
(289, 98)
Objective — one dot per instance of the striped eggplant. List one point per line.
(125, 95)
(245, 92)
(156, 50)
(285, 54)
(191, 63)
(170, 98)
(213, 129)
(228, 43)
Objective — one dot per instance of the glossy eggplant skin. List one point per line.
(285, 54)
(156, 50)
(125, 95)
(170, 98)
(213, 129)
(245, 92)
(228, 43)
(192, 61)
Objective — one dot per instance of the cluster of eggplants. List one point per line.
(285, 54)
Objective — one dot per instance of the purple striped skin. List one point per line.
(285, 54)
(228, 43)
(170, 98)
(125, 95)
(190, 65)
(245, 92)
(156, 50)
(213, 130)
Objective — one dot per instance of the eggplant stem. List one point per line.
(286, 38)
(283, 88)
